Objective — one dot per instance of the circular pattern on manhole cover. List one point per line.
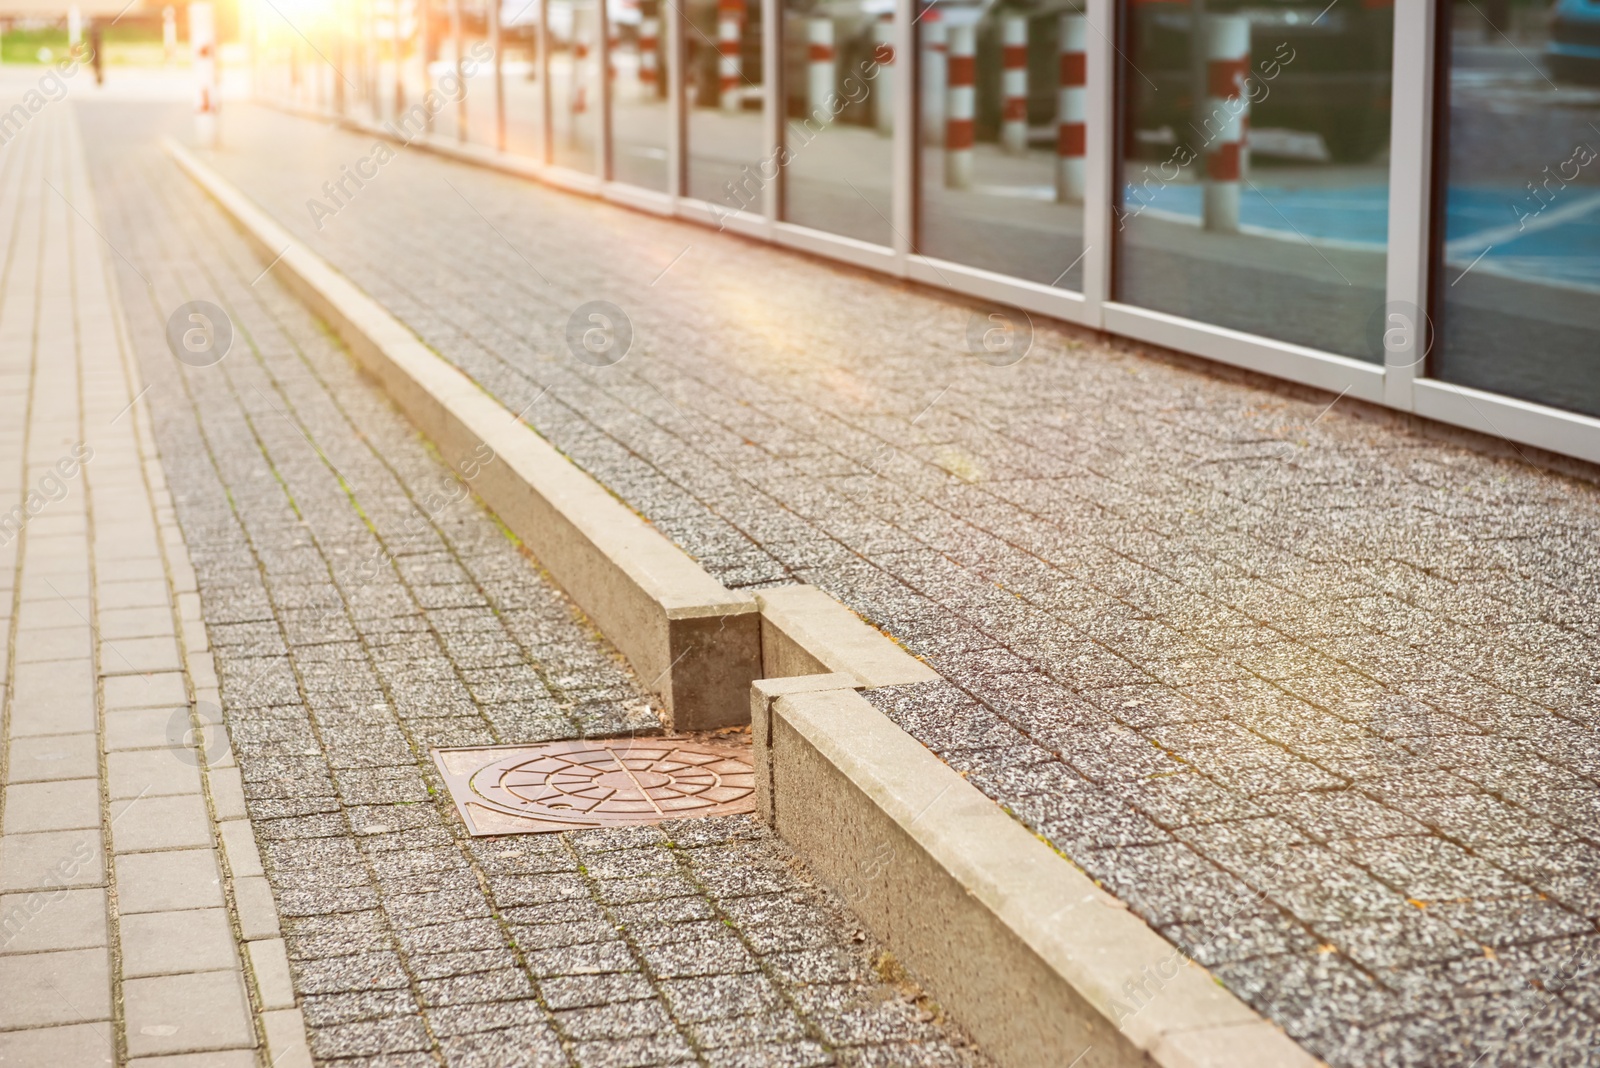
(595, 783)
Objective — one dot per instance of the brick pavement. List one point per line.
(130, 895)
(1314, 694)
(363, 610)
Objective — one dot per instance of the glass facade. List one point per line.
(639, 114)
(574, 41)
(1242, 156)
(724, 90)
(1517, 260)
(415, 38)
(478, 74)
(1254, 191)
(1001, 139)
(838, 76)
(445, 27)
(522, 75)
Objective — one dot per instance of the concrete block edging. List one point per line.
(1040, 964)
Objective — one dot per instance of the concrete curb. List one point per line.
(694, 642)
(804, 631)
(1042, 966)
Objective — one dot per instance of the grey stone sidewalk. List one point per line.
(364, 610)
(135, 927)
(1315, 695)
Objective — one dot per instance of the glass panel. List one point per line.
(478, 73)
(1001, 136)
(519, 48)
(838, 74)
(1518, 284)
(723, 84)
(446, 20)
(427, 65)
(639, 117)
(365, 100)
(390, 26)
(419, 38)
(1255, 181)
(574, 82)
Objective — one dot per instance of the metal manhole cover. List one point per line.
(596, 782)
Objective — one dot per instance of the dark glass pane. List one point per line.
(838, 70)
(1518, 279)
(1001, 137)
(639, 119)
(477, 70)
(723, 94)
(519, 43)
(1255, 178)
(574, 82)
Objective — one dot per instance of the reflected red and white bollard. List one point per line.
(1072, 109)
(169, 35)
(962, 71)
(882, 87)
(649, 55)
(1227, 65)
(203, 59)
(730, 64)
(934, 39)
(578, 95)
(821, 68)
(74, 32)
(1014, 84)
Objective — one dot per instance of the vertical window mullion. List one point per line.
(1100, 154)
(1410, 161)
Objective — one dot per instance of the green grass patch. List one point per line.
(123, 46)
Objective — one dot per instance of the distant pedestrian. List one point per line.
(94, 54)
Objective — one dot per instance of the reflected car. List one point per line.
(1573, 51)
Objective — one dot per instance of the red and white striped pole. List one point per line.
(883, 85)
(1227, 66)
(203, 59)
(650, 55)
(730, 35)
(1072, 109)
(934, 49)
(579, 97)
(962, 71)
(169, 35)
(821, 68)
(1014, 84)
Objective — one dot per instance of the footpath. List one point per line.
(135, 923)
(363, 610)
(1312, 693)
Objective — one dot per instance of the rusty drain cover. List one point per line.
(596, 782)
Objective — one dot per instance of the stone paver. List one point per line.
(1313, 693)
(362, 608)
(90, 793)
